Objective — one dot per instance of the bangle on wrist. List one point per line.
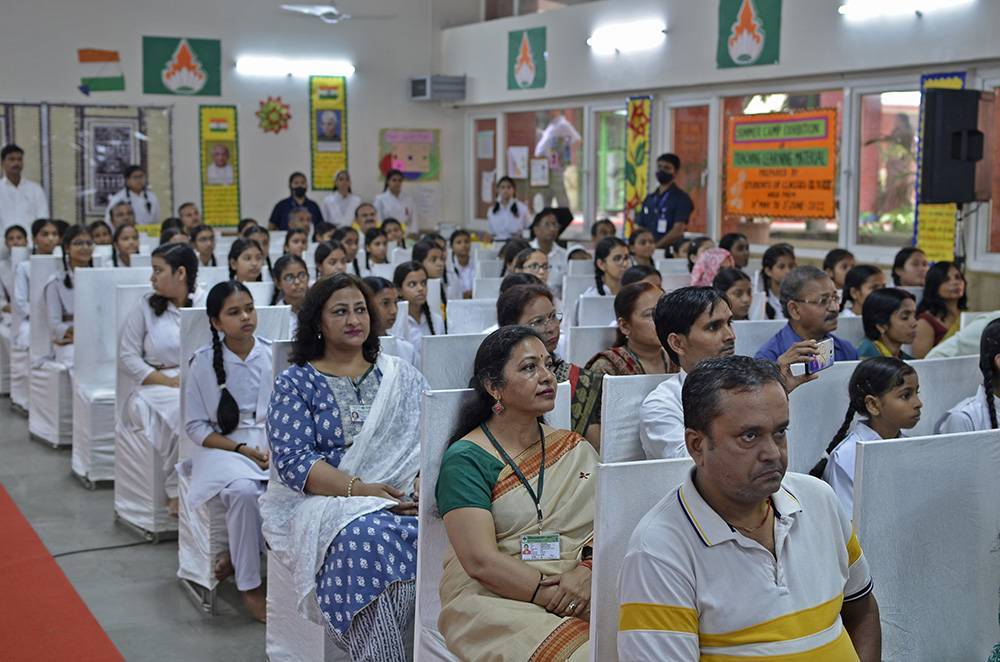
(350, 485)
(534, 595)
(238, 447)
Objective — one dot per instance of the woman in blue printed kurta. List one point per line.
(341, 509)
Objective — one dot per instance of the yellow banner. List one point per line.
(637, 134)
(936, 223)
(218, 149)
(327, 129)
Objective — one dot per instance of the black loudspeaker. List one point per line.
(952, 144)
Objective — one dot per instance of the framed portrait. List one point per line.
(110, 147)
(218, 155)
(328, 131)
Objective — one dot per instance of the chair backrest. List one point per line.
(580, 268)
(675, 281)
(434, 295)
(966, 317)
(41, 269)
(596, 311)
(930, 537)
(673, 266)
(751, 335)
(917, 292)
(488, 268)
(279, 355)
(850, 329)
(471, 315)
(583, 342)
(626, 491)
(140, 260)
(262, 293)
(276, 243)
(127, 297)
(401, 255)
(210, 276)
(383, 271)
(447, 361)
(573, 288)
(486, 288)
(621, 399)
(486, 251)
(94, 322)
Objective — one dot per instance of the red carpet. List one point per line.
(41, 615)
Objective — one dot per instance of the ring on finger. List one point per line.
(571, 606)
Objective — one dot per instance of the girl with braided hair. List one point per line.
(980, 411)
(883, 393)
(77, 251)
(225, 409)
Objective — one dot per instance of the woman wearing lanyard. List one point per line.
(517, 499)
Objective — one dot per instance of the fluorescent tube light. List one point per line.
(628, 37)
(866, 9)
(260, 65)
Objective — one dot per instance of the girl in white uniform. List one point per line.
(883, 391)
(777, 261)
(149, 355)
(13, 237)
(291, 280)
(145, 206)
(611, 259)
(461, 267)
(45, 238)
(386, 299)
(349, 239)
(979, 412)
(225, 409)
(246, 260)
(431, 256)
(410, 280)
(393, 203)
(77, 249)
(338, 208)
(125, 244)
(331, 259)
(376, 249)
(508, 217)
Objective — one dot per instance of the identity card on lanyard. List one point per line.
(661, 210)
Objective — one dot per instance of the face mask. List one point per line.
(664, 177)
(299, 191)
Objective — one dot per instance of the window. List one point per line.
(994, 157)
(805, 232)
(690, 144)
(485, 159)
(888, 167)
(610, 164)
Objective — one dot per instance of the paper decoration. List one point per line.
(526, 57)
(485, 141)
(218, 148)
(539, 172)
(517, 162)
(414, 152)
(327, 129)
(273, 115)
(486, 186)
(100, 71)
(934, 225)
(178, 65)
(749, 33)
(637, 133)
(782, 164)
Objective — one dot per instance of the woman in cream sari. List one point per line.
(340, 508)
(517, 499)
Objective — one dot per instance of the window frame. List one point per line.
(977, 225)
(713, 216)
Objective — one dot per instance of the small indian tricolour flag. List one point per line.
(100, 71)
(328, 93)
(218, 125)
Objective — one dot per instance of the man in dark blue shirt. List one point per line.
(665, 212)
(279, 215)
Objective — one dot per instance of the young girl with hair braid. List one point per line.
(77, 251)
(980, 411)
(225, 407)
(883, 393)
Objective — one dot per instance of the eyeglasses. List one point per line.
(619, 259)
(295, 278)
(535, 267)
(542, 322)
(81, 243)
(823, 302)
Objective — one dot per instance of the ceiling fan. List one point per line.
(328, 13)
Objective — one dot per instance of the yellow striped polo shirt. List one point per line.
(691, 587)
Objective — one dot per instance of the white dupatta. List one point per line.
(299, 527)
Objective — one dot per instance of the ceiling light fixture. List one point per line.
(866, 9)
(265, 66)
(628, 37)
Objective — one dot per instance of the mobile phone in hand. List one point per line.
(823, 359)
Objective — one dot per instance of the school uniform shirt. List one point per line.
(504, 223)
(20, 306)
(460, 279)
(389, 206)
(145, 206)
(784, 339)
(413, 332)
(970, 415)
(279, 215)
(59, 304)
(839, 472)
(339, 210)
(661, 420)
(691, 586)
(557, 266)
(150, 343)
(6, 281)
(660, 212)
(22, 204)
(775, 302)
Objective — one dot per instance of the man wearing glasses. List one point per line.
(809, 301)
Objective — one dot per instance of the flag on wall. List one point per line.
(180, 65)
(100, 71)
(749, 33)
(637, 134)
(526, 55)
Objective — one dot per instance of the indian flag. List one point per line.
(328, 93)
(100, 70)
(218, 124)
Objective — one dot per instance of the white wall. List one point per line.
(38, 42)
(815, 40)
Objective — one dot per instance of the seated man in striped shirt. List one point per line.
(743, 560)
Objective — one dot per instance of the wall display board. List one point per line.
(327, 129)
(218, 150)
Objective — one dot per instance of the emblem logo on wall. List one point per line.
(178, 65)
(526, 59)
(749, 32)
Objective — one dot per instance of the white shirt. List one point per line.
(143, 215)
(504, 224)
(339, 210)
(406, 351)
(414, 332)
(839, 472)
(775, 302)
(22, 204)
(847, 312)
(389, 206)
(219, 176)
(20, 306)
(661, 420)
(965, 342)
(6, 281)
(970, 415)
(558, 128)
(557, 266)
(691, 586)
(59, 305)
(150, 343)
(460, 279)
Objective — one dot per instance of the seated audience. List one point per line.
(291, 280)
(431, 258)
(349, 238)
(124, 244)
(262, 237)
(386, 298)
(738, 246)
(698, 246)
(966, 341)
(323, 231)
(909, 267)
(637, 350)
(330, 258)
(531, 261)
(736, 285)
(410, 279)
(679, 249)
(642, 246)
(545, 229)
(225, 409)
(836, 264)
(100, 232)
(14, 236)
(77, 252)
(810, 303)
(245, 223)
(121, 214)
(393, 230)
(699, 578)
(510, 251)
(777, 261)
(504, 595)
(203, 243)
(341, 514)
(45, 236)
(643, 273)
(709, 264)
(611, 259)
(884, 395)
(940, 310)
(366, 218)
(859, 282)
(339, 207)
(979, 412)
(579, 254)
(190, 216)
(246, 259)
(174, 236)
(296, 242)
(461, 267)
(890, 321)
(601, 228)
(376, 249)
(507, 218)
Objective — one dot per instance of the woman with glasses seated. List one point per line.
(291, 280)
(637, 349)
(533, 306)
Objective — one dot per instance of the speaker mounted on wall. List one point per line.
(952, 145)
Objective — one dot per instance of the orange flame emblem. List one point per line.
(183, 73)
(746, 38)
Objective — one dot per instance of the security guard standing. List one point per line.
(665, 212)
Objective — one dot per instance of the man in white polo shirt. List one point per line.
(744, 561)
(22, 202)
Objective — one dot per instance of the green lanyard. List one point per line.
(537, 498)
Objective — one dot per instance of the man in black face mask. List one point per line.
(279, 215)
(665, 211)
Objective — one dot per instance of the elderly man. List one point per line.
(190, 216)
(220, 170)
(744, 561)
(811, 306)
(22, 202)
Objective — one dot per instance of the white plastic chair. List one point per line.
(580, 268)
(673, 266)
(621, 400)
(262, 293)
(488, 268)
(572, 289)
(583, 342)
(447, 361)
(50, 416)
(751, 335)
(471, 315)
(486, 288)
(596, 311)
(675, 281)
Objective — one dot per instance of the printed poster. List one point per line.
(517, 162)
(414, 152)
(539, 172)
(327, 129)
(749, 33)
(637, 134)
(782, 164)
(180, 65)
(934, 224)
(526, 56)
(218, 147)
